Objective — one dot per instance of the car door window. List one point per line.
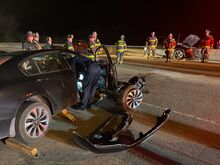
(29, 67)
(48, 63)
(68, 57)
(101, 56)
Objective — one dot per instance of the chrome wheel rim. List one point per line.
(178, 54)
(36, 122)
(134, 98)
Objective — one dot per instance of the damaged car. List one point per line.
(37, 84)
(33, 85)
(109, 136)
(128, 94)
(188, 48)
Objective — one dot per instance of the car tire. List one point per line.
(130, 97)
(179, 54)
(32, 122)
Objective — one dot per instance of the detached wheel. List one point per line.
(130, 97)
(32, 122)
(179, 54)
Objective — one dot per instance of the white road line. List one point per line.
(154, 106)
(183, 114)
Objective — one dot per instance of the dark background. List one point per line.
(134, 19)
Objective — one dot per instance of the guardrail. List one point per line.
(9, 47)
(132, 50)
(139, 51)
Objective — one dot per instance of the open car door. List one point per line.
(109, 73)
(112, 133)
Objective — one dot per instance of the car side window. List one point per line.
(29, 68)
(48, 63)
(68, 57)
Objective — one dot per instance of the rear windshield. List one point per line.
(4, 59)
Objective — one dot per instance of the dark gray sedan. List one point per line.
(33, 85)
(36, 84)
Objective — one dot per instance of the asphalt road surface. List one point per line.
(192, 136)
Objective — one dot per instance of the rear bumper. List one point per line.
(109, 145)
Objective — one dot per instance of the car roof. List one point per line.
(25, 54)
(21, 55)
(17, 57)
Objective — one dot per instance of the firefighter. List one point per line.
(93, 43)
(91, 72)
(91, 49)
(169, 45)
(206, 44)
(91, 46)
(97, 41)
(37, 41)
(69, 42)
(120, 49)
(151, 45)
(48, 44)
(29, 43)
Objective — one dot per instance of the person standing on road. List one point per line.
(48, 44)
(206, 44)
(69, 43)
(29, 43)
(91, 48)
(169, 44)
(97, 41)
(91, 72)
(93, 43)
(121, 47)
(37, 41)
(151, 45)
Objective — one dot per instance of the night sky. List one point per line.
(135, 19)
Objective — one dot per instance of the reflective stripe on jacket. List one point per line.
(69, 46)
(169, 44)
(121, 46)
(152, 42)
(207, 42)
(93, 45)
(97, 43)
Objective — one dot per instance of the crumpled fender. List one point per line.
(139, 81)
(111, 143)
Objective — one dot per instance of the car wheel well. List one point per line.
(43, 99)
(180, 50)
(37, 98)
